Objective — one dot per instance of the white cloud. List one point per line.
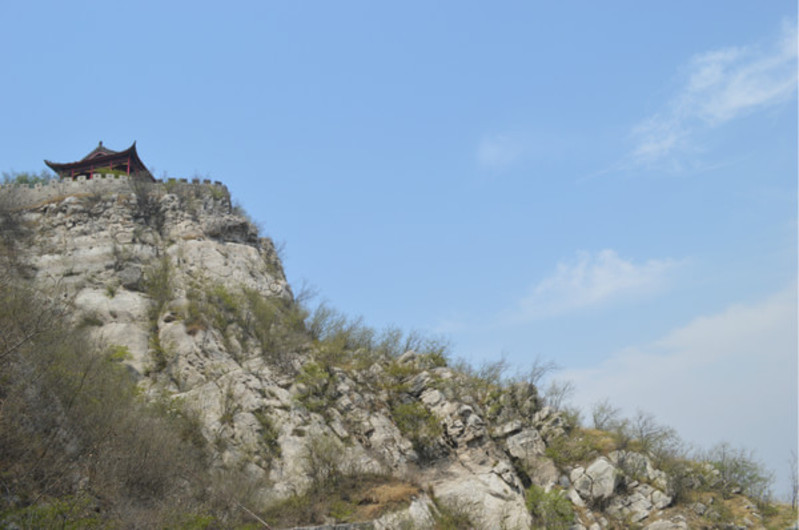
(497, 152)
(719, 86)
(729, 376)
(592, 280)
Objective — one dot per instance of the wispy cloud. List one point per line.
(718, 87)
(593, 279)
(728, 376)
(499, 151)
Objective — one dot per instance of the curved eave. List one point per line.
(100, 161)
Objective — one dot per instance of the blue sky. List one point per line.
(612, 185)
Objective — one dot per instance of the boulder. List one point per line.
(525, 445)
(598, 481)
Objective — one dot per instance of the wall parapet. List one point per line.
(27, 195)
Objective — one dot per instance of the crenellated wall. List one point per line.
(27, 195)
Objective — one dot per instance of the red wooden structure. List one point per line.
(104, 160)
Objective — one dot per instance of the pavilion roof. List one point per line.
(101, 157)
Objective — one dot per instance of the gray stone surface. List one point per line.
(598, 481)
(93, 248)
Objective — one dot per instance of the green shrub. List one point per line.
(118, 353)
(420, 426)
(68, 512)
(316, 381)
(452, 516)
(550, 510)
(90, 320)
(230, 406)
(322, 458)
(158, 286)
(269, 434)
(158, 355)
(298, 509)
(69, 410)
(262, 320)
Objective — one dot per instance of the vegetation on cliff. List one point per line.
(372, 420)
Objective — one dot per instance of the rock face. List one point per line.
(181, 283)
(137, 265)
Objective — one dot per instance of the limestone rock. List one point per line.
(483, 494)
(102, 255)
(675, 523)
(525, 445)
(418, 515)
(640, 466)
(506, 429)
(598, 481)
(550, 423)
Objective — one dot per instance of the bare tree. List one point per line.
(739, 470)
(558, 393)
(651, 435)
(604, 415)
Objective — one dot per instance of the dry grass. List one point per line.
(783, 517)
(357, 498)
(353, 499)
(733, 510)
(602, 441)
(385, 498)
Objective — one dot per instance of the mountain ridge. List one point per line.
(307, 406)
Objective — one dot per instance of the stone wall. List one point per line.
(27, 195)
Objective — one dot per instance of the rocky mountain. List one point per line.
(324, 420)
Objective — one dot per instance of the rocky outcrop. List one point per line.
(181, 284)
(596, 483)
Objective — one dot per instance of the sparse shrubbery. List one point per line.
(420, 426)
(579, 446)
(345, 341)
(78, 448)
(323, 461)
(74, 436)
(68, 511)
(316, 387)
(158, 286)
(25, 178)
(269, 434)
(550, 509)
(738, 471)
(276, 325)
(452, 516)
(14, 231)
(147, 196)
(336, 491)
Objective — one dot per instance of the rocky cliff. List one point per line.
(182, 285)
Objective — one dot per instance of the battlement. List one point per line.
(28, 195)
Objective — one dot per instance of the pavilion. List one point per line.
(104, 161)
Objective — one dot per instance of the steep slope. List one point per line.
(178, 280)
